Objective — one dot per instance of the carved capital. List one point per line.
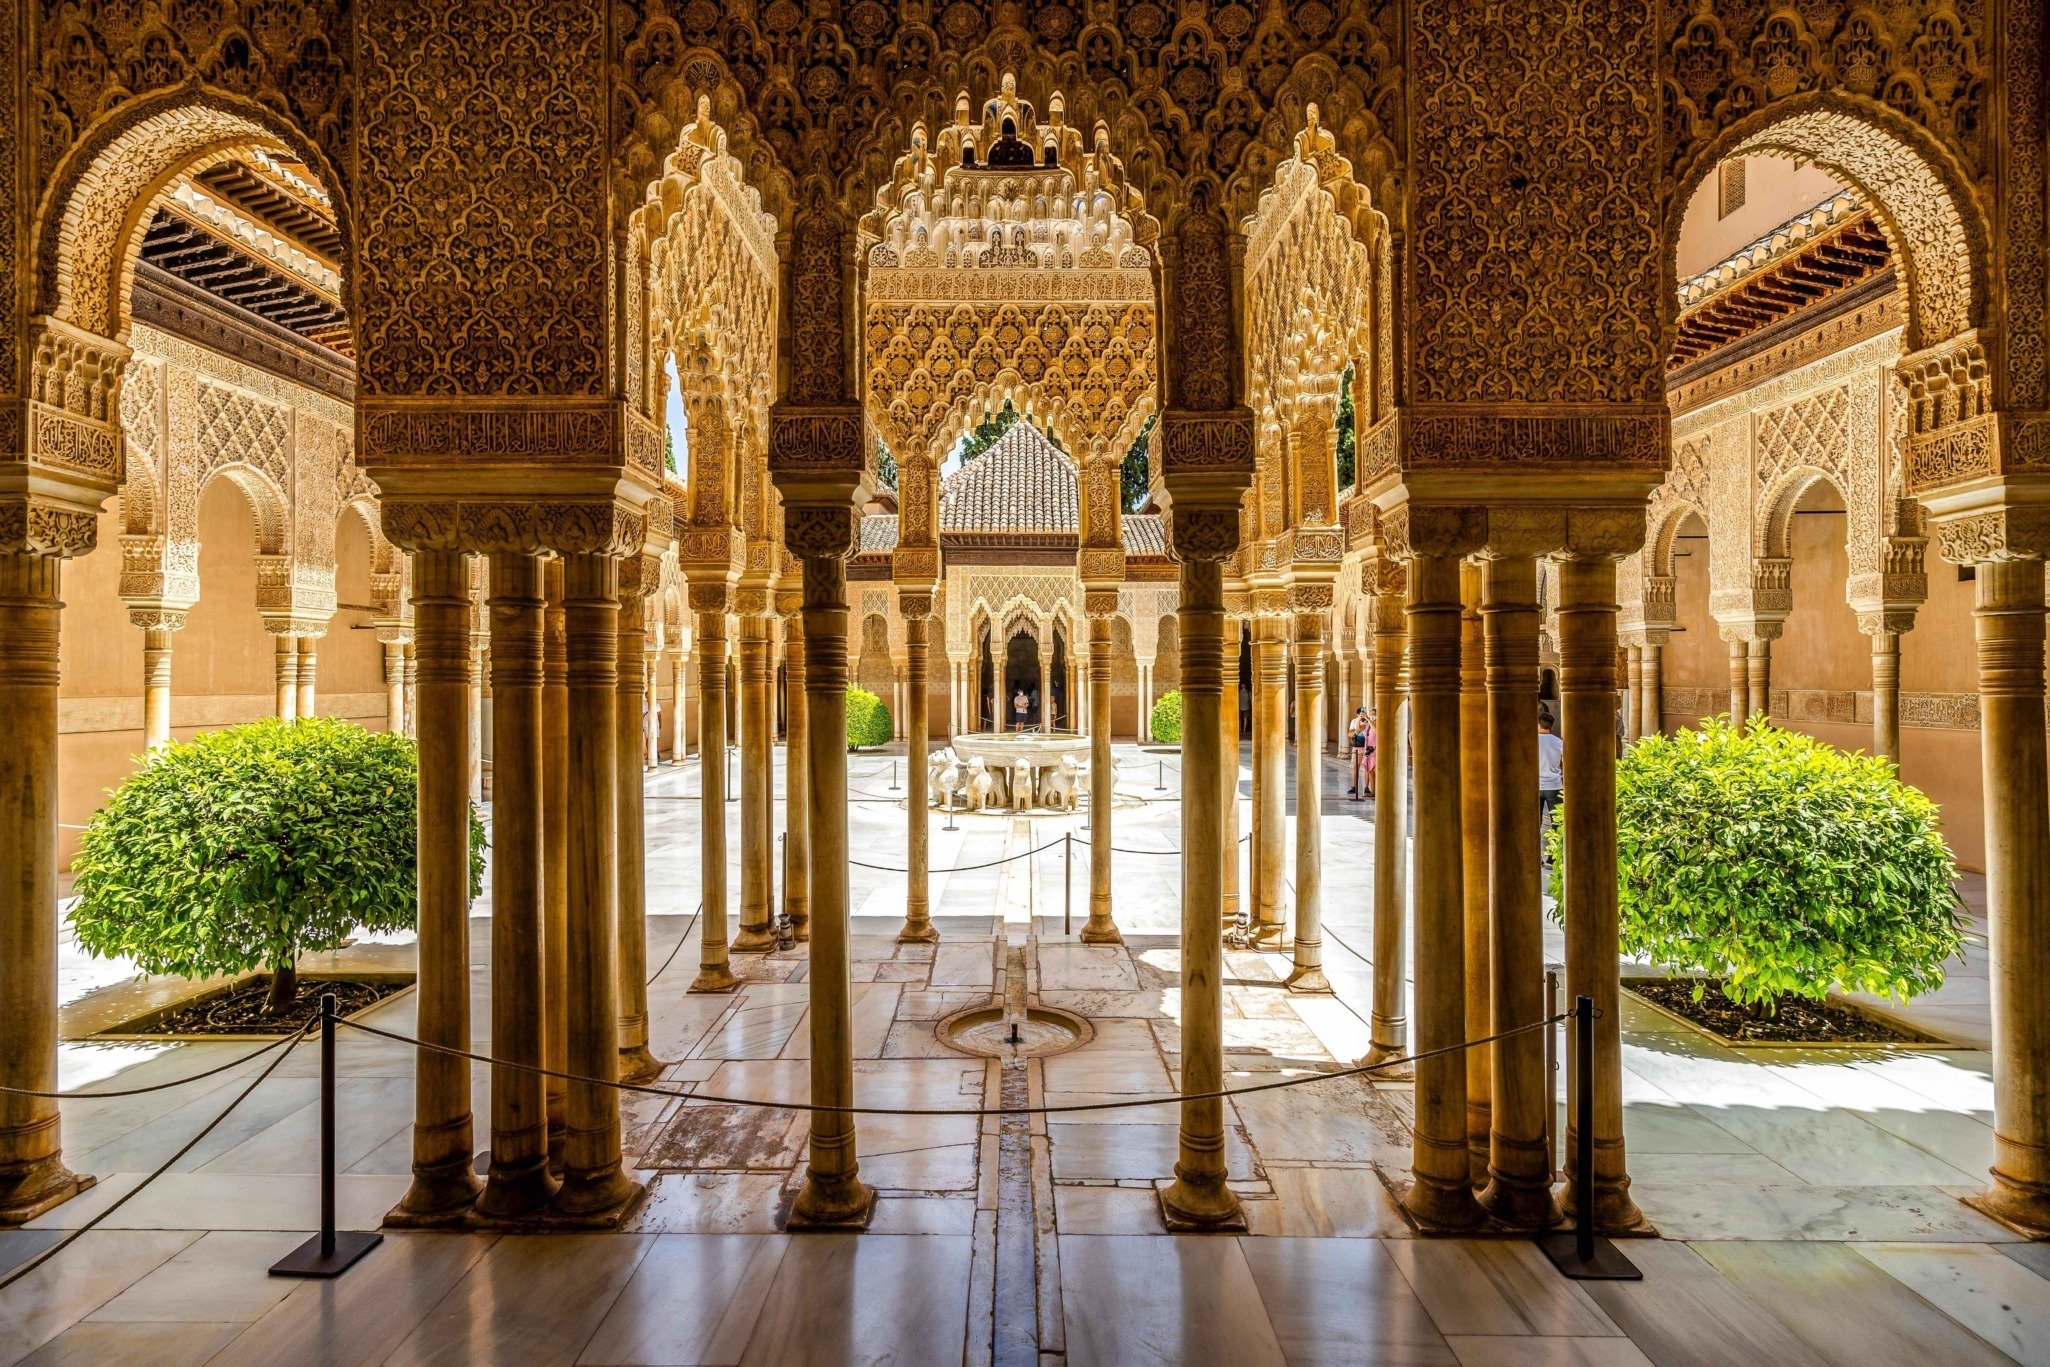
(751, 602)
(918, 566)
(421, 526)
(1411, 529)
(1515, 531)
(156, 618)
(1604, 530)
(914, 605)
(821, 532)
(1892, 623)
(789, 602)
(607, 528)
(1099, 604)
(1202, 534)
(2010, 532)
(1096, 565)
(31, 526)
(1310, 599)
(713, 595)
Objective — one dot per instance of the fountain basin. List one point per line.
(988, 1031)
(1024, 769)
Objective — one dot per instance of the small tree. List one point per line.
(1167, 718)
(1779, 864)
(247, 847)
(868, 720)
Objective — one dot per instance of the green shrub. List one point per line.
(1167, 718)
(1779, 864)
(868, 720)
(247, 847)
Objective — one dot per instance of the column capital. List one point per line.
(32, 525)
(1100, 565)
(1203, 532)
(1412, 529)
(1099, 604)
(914, 605)
(709, 595)
(816, 454)
(750, 602)
(821, 531)
(150, 618)
(789, 602)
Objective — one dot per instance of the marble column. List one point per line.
(1306, 974)
(1651, 719)
(918, 927)
(710, 601)
(595, 1189)
(637, 1062)
(555, 853)
(444, 1185)
(679, 689)
(1473, 836)
(518, 1184)
(1270, 776)
(1441, 1196)
(157, 629)
(476, 712)
(1199, 1198)
(1758, 673)
(287, 667)
(1587, 690)
(1886, 695)
(395, 687)
(33, 1177)
(1740, 678)
(1633, 690)
(2009, 620)
(412, 690)
(757, 932)
(1519, 1189)
(305, 692)
(651, 713)
(1046, 688)
(1144, 726)
(1230, 648)
(1100, 607)
(1388, 1020)
(833, 1195)
(797, 770)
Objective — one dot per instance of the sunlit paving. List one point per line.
(1055, 681)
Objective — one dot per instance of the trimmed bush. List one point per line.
(247, 847)
(1780, 865)
(868, 720)
(1167, 718)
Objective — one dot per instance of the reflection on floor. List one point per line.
(1808, 1200)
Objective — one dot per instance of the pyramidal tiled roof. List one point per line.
(1020, 484)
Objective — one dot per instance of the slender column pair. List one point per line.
(287, 671)
(1441, 1195)
(797, 769)
(1101, 607)
(1270, 775)
(157, 629)
(309, 672)
(1758, 675)
(1473, 834)
(33, 1177)
(1307, 972)
(757, 779)
(395, 687)
(1388, 1018)
(637, 1063)
(918, 927)
(710, 601)
(1651, 720)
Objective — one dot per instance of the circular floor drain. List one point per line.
(992, 1032)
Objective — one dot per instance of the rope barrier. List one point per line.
(681, 940)
(159, 1086)
(54, 1249)
(1356, 1070)
(961, 868)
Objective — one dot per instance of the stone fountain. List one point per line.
(1011, 771)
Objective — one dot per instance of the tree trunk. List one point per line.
(284, 990)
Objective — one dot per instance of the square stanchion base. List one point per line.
(1607, 1265)
(307, 1260)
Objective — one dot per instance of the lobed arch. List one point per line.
(1779, 502)
(266, 501)
(1669, 521)
(87, 233)
(1921, 195)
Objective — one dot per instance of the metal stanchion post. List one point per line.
(893, 776)
(1067, 883)
(1159, 776)
(1581, 1254)
(331, 1252)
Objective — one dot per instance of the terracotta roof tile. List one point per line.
(1020, 484)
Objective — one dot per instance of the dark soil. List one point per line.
(1796, 1020)
(239, 1011)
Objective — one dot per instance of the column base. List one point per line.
(918, 930)
(828, 1204)
(514, 1196)
(754, 940)
(440, 1198)
(1615, 1214)
(29, 1189)
(2023, 1207)
(1208, 1206)
(1099, 929)
(1378, 1053)
(1265, 935)
(715, 978)
(1436, 1206)
(637, 1063)
(1307, 978)
(1519, 1205)
(597, 1200)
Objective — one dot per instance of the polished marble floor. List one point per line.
(1808, 1199)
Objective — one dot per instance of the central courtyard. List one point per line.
(1808, 1199)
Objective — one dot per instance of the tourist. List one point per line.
(1551, 774)
(1360, 742)
(1020, 706)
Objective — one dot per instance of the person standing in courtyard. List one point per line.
(1020, 705)
(1551, 773)
(1360, 742)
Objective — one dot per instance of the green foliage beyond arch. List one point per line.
(1780, 864)
(1167, 718)
(247, 847)
(868, 719)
